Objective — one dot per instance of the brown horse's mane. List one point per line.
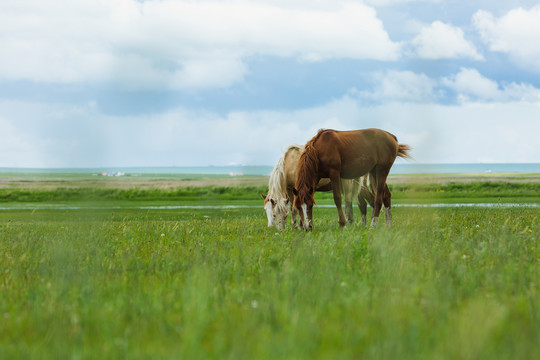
(308, 168)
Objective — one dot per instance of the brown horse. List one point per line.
(346, 154)
(281, 183)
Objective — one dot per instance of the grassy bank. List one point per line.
(197, 284)
(486, 191)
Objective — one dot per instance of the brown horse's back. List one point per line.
(358, 151)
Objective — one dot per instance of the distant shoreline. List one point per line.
(481, 168)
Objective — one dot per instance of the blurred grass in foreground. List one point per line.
(457, 283)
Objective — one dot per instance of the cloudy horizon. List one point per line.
(195, 83)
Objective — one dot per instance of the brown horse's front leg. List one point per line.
(336, 188)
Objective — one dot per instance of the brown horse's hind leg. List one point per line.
(387, 197)
(381, 173)
(336, 187)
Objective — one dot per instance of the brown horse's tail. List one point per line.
(403, 151)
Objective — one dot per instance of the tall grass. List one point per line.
(456, 283)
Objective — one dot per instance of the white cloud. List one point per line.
(470, 82)
(521, 92)
(517, 34)
(397, 2)
(468, 85)
(40, 135)
(443, 41)
(174, 44)
(400, 86)
(471, 85)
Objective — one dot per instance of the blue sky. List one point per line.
(91, 83)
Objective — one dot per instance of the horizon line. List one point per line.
(243, 165)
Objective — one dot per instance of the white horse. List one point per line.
(361, 188)
(280, 194)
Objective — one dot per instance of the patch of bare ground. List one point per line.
(130, 182)
(462, 178)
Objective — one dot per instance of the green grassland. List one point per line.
(402, 193)
(124, 282)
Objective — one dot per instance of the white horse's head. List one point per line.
(276, 210)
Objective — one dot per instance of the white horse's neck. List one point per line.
(277, 184)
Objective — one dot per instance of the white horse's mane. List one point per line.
(277, 183)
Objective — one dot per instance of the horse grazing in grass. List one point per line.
(280, 184)
(348, 155)
(280, 191)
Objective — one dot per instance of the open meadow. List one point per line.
(186, 268)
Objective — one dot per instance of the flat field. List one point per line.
(92, 271)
